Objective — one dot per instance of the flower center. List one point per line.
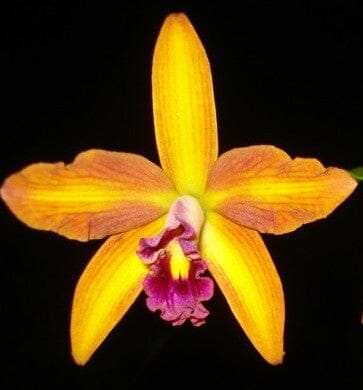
(175, 284)
(179, 263)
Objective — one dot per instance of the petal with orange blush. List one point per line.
(183, 105)
(99, 194)
(107, 288)
(242, 267)
(262, 188)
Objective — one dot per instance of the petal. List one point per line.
(179, 298)
(242, 267)
(176, 285)
(107, 288)
(262, 188)
(99, 194)
(183, 104)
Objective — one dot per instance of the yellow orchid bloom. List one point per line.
(170, 226)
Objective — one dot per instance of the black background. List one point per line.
(76, 76)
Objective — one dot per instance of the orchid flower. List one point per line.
(177, 229)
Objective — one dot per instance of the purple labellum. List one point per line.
(175, 285)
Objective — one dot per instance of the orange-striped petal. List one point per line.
(107, 288)
(183, 104)
(99, 194)
(262, 188)
(242, 267)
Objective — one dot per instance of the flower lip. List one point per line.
(175, 285)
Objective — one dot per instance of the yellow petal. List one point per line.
(183, 104)
(99, 194)
(242, 267)
(107, 288)
(262, 188)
